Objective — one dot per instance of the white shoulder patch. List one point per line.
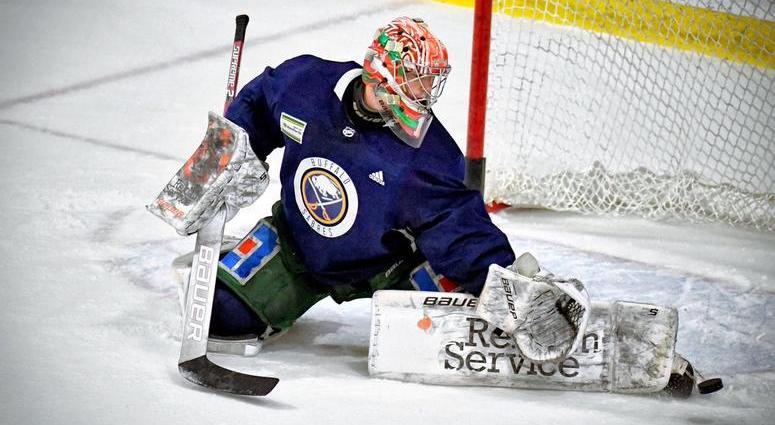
(345, 80)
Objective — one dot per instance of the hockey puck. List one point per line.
(710, 386)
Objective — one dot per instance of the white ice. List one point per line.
(99, 104)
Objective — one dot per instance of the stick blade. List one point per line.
(202, 371)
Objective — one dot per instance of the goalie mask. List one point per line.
(408, 66)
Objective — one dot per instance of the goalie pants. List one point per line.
(265, 274)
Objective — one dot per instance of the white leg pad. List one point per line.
(437, 338)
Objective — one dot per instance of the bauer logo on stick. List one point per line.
(200, 292)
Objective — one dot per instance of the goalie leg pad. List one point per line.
(438, 338)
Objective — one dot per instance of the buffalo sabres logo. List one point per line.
(325, 196)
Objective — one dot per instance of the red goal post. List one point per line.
(477, 111)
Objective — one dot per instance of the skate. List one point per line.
(683, 379)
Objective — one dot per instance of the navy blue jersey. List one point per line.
(346, 188)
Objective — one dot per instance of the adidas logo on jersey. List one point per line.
(377, 177)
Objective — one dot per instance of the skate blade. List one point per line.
(246, 347)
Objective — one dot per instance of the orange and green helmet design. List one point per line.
(409, 66)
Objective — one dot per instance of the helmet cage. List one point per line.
(408, 67)
(422, 84)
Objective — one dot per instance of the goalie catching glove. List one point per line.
(222, 171)
(544, 314)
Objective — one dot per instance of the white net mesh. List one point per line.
(582, 119)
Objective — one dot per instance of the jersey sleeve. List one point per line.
(451, 226)
(252, 109)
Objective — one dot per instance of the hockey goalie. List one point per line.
(373, 199)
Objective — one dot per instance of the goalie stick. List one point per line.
(193, 363)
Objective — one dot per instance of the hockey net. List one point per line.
(660, 109)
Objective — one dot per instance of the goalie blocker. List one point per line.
(223, 171)
(438, 338)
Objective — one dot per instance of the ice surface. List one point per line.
(89, 321)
